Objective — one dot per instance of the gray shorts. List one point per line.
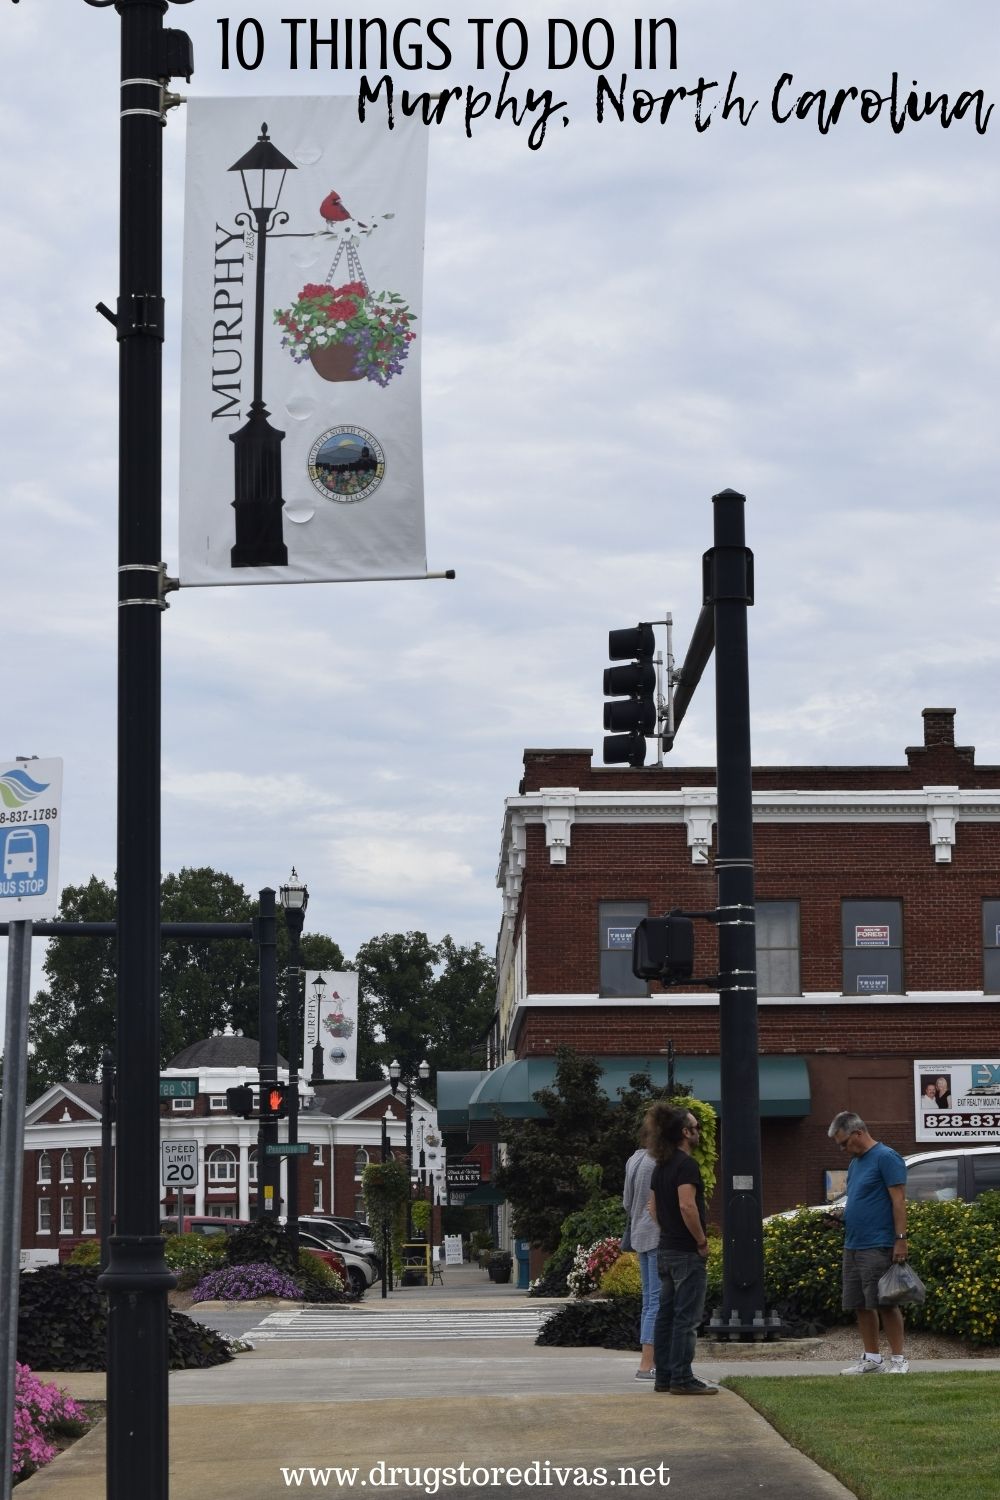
(862, 1269)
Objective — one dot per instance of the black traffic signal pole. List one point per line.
(728, 589)
(268, 1163)
(137, 1279)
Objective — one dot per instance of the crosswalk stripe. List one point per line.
(335, 1323)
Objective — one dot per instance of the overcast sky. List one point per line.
(616, 325)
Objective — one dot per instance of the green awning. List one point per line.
(485, 1194)
(453, 1091)
(507, 1092)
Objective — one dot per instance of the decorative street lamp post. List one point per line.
(386, 1227)
(258, 501)
(395, 1072)
(294, 897)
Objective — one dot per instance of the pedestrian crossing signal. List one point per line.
(273, 1102)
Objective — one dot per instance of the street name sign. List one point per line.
(287, 1148)
(178, 1088)
(179, 1164)
(30, 795)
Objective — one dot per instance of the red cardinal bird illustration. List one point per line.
(333, 209)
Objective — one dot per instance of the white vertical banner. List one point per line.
(301, 456)
(331, 1021)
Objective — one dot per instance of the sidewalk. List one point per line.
(442, 1402)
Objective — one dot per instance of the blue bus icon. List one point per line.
(24, 861)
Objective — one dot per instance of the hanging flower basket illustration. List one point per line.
(348, 332)
(337, 1024)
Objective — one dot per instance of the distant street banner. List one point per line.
(332, 1021)
(301, 456)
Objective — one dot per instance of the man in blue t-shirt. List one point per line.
(875, 1236)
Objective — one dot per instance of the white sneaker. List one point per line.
(864, 1366)
(897, 1365)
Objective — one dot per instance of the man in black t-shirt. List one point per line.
(677, 1203)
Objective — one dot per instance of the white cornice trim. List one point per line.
(559, 808)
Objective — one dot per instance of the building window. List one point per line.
(873, 947)
(89, 1166)
(66, 1215)
(218, 1101)
(66, 1167)
(220, 1211)
(360, 1208)
(222, 1166)
(778, 948)
(252, 1169)
(90, 1215)
(44, 1167)
(616, 922)
(991, 947)
(317, 1195)
(360, 1161)
(44, 1216)
(317, 1156)
(183, 1106)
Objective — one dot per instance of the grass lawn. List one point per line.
(890, 1438)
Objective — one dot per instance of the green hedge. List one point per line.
(954, 1247)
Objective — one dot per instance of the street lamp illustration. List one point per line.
(257, 490)
(318, 988)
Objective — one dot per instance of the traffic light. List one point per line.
(240, 1100)
(273, 1102)
(635, 715)
(663, 948)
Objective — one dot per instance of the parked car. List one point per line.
(196, 1224)
(961, 1172)
(335, 1234)
(357, 1271)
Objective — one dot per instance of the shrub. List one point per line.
(245, 1283)
(609, 1325)
(601, 1218)
(192, 1256)
(623, 1278)
(62, 1319)
(63, 1325)
(192, 1346)
(262, 1243)
(952, 1245)
(589, 1264)
(319, 1282)
(552, 1282)
(41, 1412)
(86, 1253)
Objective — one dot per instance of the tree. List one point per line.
(206, 984)
(419, 1000)
(541, 1172)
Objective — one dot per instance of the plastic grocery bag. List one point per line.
(900, 1285)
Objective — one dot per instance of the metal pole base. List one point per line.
(137, 1281)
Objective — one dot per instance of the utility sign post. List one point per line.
(30, 794)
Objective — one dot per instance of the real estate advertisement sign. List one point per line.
(957, 1100)
(301, 454)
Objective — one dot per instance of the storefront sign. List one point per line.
(957, 1100)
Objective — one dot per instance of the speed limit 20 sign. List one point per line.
(179, 1163)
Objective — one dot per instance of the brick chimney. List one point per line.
(939, 726)
(939, 758)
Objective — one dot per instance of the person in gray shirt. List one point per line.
(643, 1236)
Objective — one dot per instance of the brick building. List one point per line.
(342, 1122)
(878, 912)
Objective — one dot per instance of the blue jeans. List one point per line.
(650, 1294)
(683, 1279)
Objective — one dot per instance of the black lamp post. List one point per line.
(258, 501)
(395, 1072)
(386, 1244)
(294, 897)
(317, 998)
